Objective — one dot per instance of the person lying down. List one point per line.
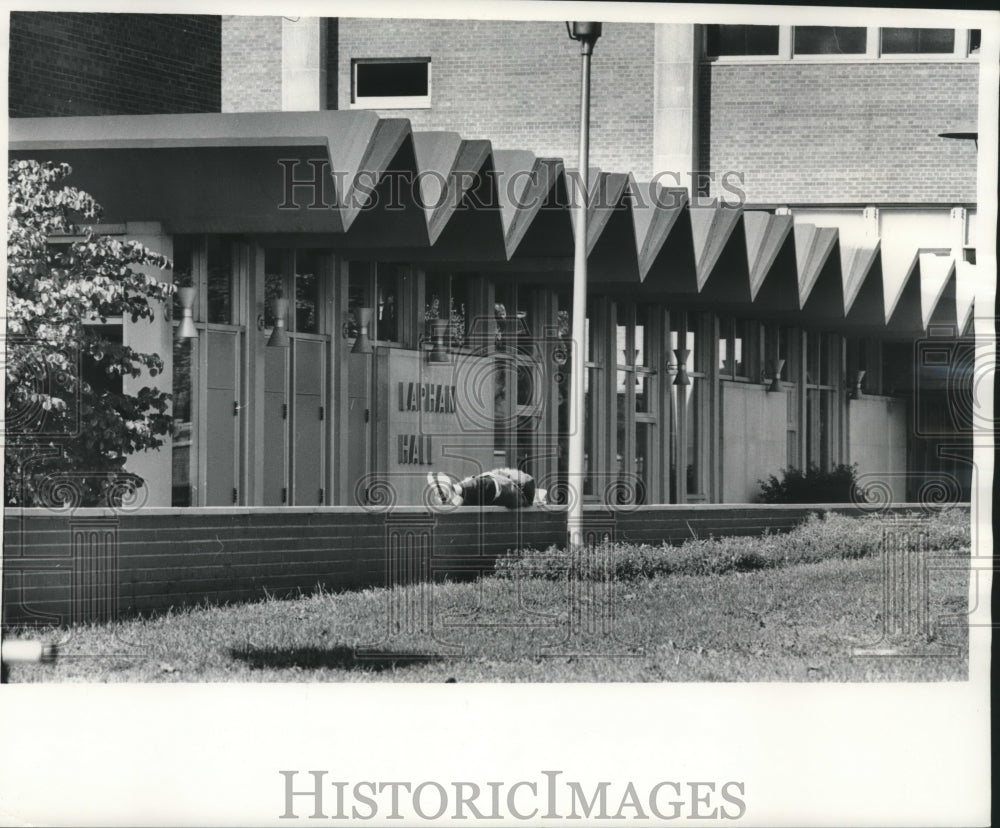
(497, 487)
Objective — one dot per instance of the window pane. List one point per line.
(741, 365)
(830, 40)
(501, 408)
(622, 354)
(975, 39)
(307, 291)
(504, 314)
(458, 304)
(741, 40)
(643, 460)
(391, 79)
(643, 342)
(358, 293)
(589, 452)
(183, 270)
(918, 41)
(220, 281)
(182, 433)
(274, 283)
(725, 357)
(644, 394)
(386, 295)
(622, 419)
(693, 427)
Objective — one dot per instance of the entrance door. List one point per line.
(358, 423)
(275, 483)
(308, 426)
(222, 419)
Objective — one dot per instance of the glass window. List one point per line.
(183, 270)
(391, 82)
(622, 355)
(643, 341)
(387, 284)
(274, 282)
(447, 298)
(307, 305)
(741, 40)
(975, 40)
(830, 40)
(918, 41)
(221, 309)
(182, 443)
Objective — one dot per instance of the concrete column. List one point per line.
(303, 64)
(156, 336)
(675, 101)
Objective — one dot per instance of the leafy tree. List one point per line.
(69, 423)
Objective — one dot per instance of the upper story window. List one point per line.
(754, 44)
(725, 41)
(391, 83)
(918, 41)
(830, 40)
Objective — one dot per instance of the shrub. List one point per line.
(814, 485)
(820, 537)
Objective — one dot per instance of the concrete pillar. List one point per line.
(303, 64)
(675, 102)
(156, 336)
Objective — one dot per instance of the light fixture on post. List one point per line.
(682, 377)
(279, 336)
(587, 34)
(773, 375)
(363, 345)
(187, 330)
(854, 391)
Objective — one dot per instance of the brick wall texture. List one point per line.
(518, 84)
(94, 565)
(251, 64)
(64, 63)
(829, 132)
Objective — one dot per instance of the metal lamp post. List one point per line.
(587, 35)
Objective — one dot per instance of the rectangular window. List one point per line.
(447, 297)
(274, 282)
(975, 40)
(918, 41)
(220, 281)
(307, 306)
(830, 40)
(725, 41)
(391, 83)
(182, 444)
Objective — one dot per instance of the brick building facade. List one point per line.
(848, 190)
(66, 63)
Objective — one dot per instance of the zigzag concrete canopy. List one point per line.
(351, 180)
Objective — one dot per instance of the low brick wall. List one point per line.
(99, 564)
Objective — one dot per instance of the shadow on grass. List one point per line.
(334, 658)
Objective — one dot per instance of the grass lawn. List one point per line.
(795, 623)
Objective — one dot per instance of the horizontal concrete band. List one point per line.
(98, 565)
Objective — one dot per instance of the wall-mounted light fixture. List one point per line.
(187, 330)
(682, 377)
(439, 353)
(772, 375)
(279, 336)
(854, 385)
(362, 344)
